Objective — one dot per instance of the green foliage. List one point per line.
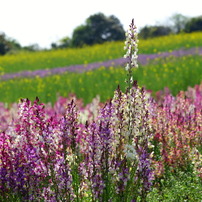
(194, 24)
(154, 31)
(98, 29)
(8, 45)
(33, 47)
(63, 43)
(179, 186)
(4, 44)
(81, 36)
(178, 22)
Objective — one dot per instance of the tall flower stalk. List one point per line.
(137, 115)
(131, 47)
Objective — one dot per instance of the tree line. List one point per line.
(99, 28)
(178, 23)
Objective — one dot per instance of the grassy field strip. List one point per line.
(143, 59)
(175, 73)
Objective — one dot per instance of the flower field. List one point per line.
(139, 141)
(52, 153)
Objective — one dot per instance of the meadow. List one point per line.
(112, 134)
(174, 73)
(97, 53)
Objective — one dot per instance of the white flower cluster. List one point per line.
(130, 152)
(131, 46)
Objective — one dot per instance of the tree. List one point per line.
(32, 47)
(194, 24)
(82, 35)
(154, 31)
(7, 44)
(62, 43)
(98, 29)
(178, 22)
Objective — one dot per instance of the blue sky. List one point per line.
(46, 21)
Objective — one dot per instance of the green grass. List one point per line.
(97, 53)
(175, 73)
(59, 58)
(170, 43)
(179, 186)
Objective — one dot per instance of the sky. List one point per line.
(46, 21)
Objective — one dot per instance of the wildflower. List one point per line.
(130, 152)
(144, 169)
(131, 52)
(131, 46)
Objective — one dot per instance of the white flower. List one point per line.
(131, 47)
(127, 67)
(130, 152)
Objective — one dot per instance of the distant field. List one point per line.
(97, 53)
(175, 73)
